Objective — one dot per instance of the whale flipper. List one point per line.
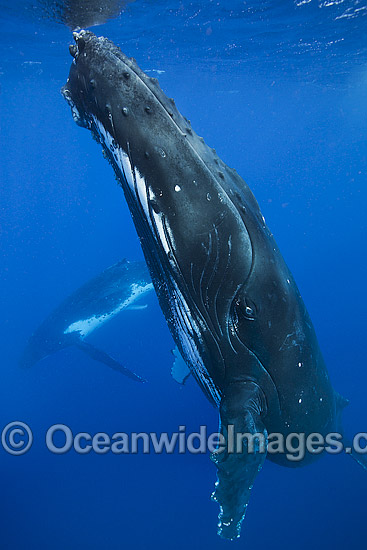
(103, 357)
(239, 462)
(179, 371)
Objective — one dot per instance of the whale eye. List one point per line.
(246, 308)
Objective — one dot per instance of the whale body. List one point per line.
(229, 299)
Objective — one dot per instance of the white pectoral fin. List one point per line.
(180, 371)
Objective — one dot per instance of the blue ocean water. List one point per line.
(279, 89)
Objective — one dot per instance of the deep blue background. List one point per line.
(280, 91)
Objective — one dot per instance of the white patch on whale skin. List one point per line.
(122, 159)
(125, 167)
(142, 192)
(159, 225)
(136, 183)
(131, 173)
(86, 326)
(187, 327)
(75, 114)
(74, 110)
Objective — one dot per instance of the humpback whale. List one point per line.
(229, 299)
(116, 289)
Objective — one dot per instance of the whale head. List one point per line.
(162, 165)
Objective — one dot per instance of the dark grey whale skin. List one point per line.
(229, 299)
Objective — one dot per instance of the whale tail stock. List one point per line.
(349, 443)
